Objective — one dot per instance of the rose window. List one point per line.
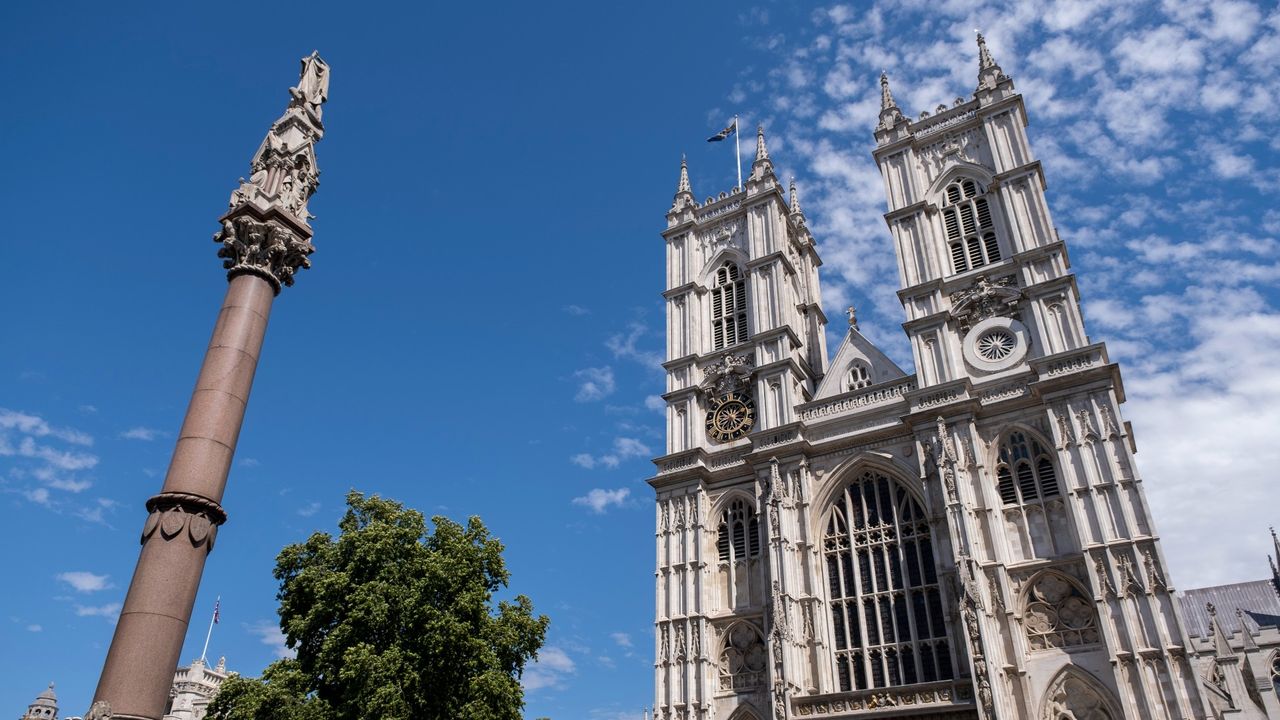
(997, 344)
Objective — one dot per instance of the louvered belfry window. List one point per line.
(728, 307)
(1025, 471)
(887, 618)
(738, 536)
(971, 235)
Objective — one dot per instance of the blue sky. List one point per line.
(481, 331)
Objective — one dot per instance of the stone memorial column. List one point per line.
(265, 239)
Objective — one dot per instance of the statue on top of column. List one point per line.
(313, 84)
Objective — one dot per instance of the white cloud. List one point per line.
(145, 434)
(39, 496)
(576, 310)
(269, 634)
(599, 500)
(84, 581)
(655, 403)
(624, 448)
(34, 628)
(594, 383)
(550, 670)
(621, 638)
(36, 427)
(623, 345)
(583, 460)
(109, 611)
(309, 509)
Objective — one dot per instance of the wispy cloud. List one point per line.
(624, 346)
(84, 581)
(110, 611)
(624, 448)
(269, 634)
(35, 628)
(309, 509)
(600, 500)
(621, 638)
(594, 383)
(145, 434)
(36, 426)
(576, 310)
(551, 670)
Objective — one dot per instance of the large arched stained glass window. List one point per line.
(887, 619)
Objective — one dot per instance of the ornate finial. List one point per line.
(684, 186)
(852, 312)
(762, 153)
(889, 112)
(1209, 608)
(266, 231)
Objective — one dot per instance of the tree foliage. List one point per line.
(392, 621)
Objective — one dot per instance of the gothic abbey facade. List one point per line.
(841, 539)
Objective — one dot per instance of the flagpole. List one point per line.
(212, 618)
(737, 149)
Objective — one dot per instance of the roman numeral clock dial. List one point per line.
(731, 416)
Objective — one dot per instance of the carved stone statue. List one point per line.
(313, 84)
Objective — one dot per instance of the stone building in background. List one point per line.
(836, 538)
(193, 689)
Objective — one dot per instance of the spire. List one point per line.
(1245, 634)
(796, 212)
(762, 166)
(762, 152)
(1275, 561)
(886, 97)
(984, 55)
(989, 72)
(684, 186)
(889, 112)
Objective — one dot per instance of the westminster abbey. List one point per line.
(839, 539)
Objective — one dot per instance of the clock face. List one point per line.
(731, 416)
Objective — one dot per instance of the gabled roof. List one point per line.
(856, 348)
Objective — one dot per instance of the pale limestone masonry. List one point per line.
(844, 540)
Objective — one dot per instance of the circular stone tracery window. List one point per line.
(995, 344)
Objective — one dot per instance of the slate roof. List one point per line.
(1258, 599)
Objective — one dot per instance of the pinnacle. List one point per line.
(984, 55)
(886, 97)
(762, 153)
(795, 203)
(684, 186)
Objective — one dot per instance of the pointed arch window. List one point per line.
(1275, 672)
(728, 307)
(738, 537)
(1027, 481)
(1058, 614)
(887, 621)
(743, 659)
(971, 234)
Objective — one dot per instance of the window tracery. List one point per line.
(728, 307)
(887, 618)
(738, 536)
(1275, 672)
(858, 377)
(743, 659)
(1073, 698)
(1027, 482)
(1058, 615)
(966, 217)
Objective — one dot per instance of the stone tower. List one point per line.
(265, 239)
(840, 541)
(44, 708)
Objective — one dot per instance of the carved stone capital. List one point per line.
(265, 248)
(176, 514)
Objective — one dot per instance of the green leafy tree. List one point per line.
(392, 621)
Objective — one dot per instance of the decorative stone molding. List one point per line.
(913, 696)
(265, 249)
(729, 373)
(101, 710)
(986, 299)
(172, 512)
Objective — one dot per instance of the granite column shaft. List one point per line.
(184, 517)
